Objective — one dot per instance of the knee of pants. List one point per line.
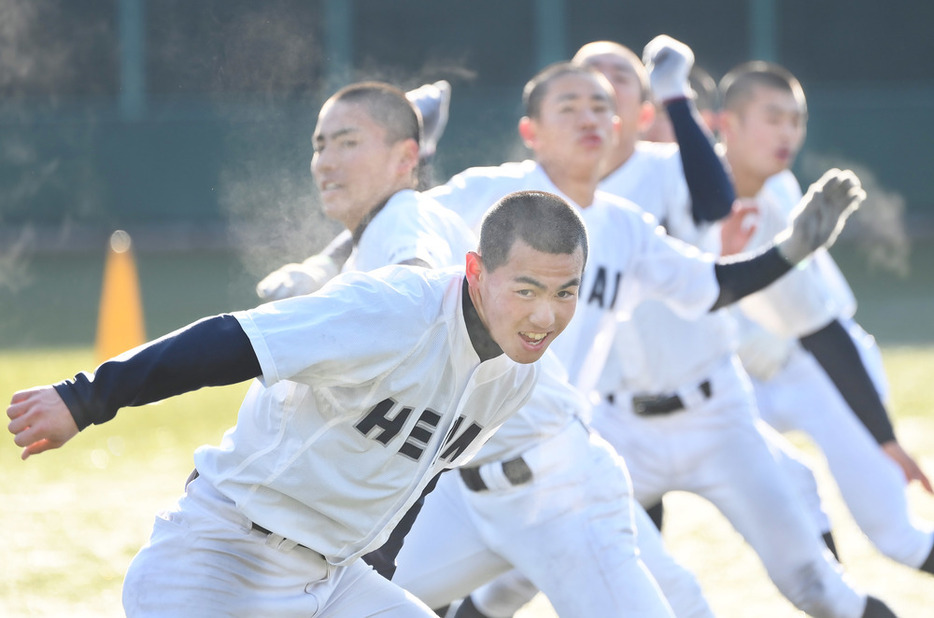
(904, 543)
(807, 589)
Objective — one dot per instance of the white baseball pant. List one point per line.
(713, 449)
(205, 559)
(801, 397)
(569, 530)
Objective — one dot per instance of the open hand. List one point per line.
(40, 420)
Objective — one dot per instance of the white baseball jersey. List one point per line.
(814, 292)
(369, 388)
(656, 350)
(653, 178)
(630, 260)
(412, 226)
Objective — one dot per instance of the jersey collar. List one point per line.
(480, 337)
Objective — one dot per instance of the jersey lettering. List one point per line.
(378, 417)
(599, 290)
(460, 444)
(389, 425)
(418, 438)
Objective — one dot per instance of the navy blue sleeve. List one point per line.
(741, 275)
(211, 352)
(709, 183)
(836, 352)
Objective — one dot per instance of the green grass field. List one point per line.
(72, 519)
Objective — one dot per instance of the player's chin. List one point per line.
(528, 350)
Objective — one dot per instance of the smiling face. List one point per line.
(764, 133)
(355, 166)
(574, 128)
(528, 300)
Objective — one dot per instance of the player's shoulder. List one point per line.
(781, 190)
(619, 206)
(657, 150)
(621, 213)
(511, 169)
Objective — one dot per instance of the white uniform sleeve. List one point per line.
(672, 271)
(813, 293)
(354, 329)
(414, 227)
(471, 193)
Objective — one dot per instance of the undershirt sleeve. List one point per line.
(741, 277)
(211, 352)
(834, 349)
(709, 184)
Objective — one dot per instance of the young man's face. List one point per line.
(529, 300)
(575, 127)
(353, 165)
(763, 136)
(628, 88)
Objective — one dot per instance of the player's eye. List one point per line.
(567, 294)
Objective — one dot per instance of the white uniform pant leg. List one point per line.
(792, 462)
(569, 531)
(803, 398)
(505, 595)
(679, 585)
(715, 451)
(203, 559)
(444, 557)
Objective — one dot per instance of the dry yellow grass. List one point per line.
(73, 519)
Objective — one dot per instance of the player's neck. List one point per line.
(579, 185)
(746, 183)
(618, 157)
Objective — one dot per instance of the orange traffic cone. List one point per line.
(120, 320)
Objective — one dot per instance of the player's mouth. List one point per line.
(591, 140)
(532, 339)
(328, 186)
(783, 154)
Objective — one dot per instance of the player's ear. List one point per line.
(726, 123)
(647, 113)
(407, 150)
(474, 268)
(527, 131)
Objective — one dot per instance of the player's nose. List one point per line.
(543, 315)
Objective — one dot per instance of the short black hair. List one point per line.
(387, 105)
(537, 87)
(544, 221)
(737, 85)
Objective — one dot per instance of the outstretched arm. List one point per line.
(816, 222)
(834, 349)
(211, 352)
(669, 64)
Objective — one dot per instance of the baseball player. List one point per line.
(432, 102)
(815, 384)
(670, 352)
(516, 506)
(706, 96)
(340, 432)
